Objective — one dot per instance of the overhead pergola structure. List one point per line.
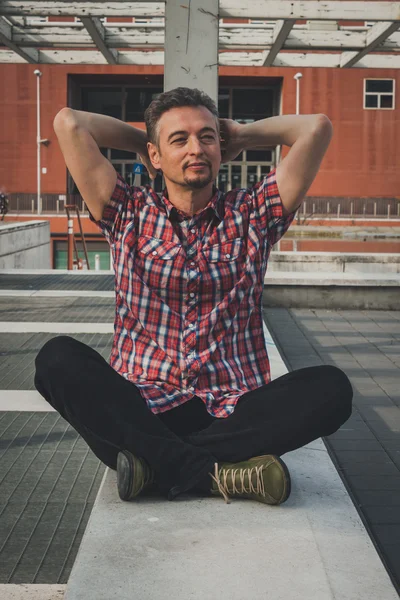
(26, 34)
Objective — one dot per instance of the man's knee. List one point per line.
(339, 386)
(54, 353)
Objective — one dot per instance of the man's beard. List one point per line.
(200, 181)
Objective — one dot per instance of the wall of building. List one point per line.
(361, 161)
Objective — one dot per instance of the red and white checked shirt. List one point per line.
(188, 317)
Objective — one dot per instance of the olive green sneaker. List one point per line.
(263, 478)
(133, 475)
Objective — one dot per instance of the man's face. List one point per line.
(189, 151)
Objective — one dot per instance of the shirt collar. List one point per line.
(215, 204)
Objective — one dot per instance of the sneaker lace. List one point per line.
(222, 475)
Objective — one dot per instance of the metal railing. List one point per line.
(381, 208)
(50, 204)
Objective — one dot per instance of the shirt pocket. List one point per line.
(157, 249)
(227, 251)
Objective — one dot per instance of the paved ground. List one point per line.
(49, 478)
(366, 450)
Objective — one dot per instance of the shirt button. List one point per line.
(191, 325)
(192, 263)
(191, 388)
(154, 252)
(191, 294)
(227, 255)
(193, 230)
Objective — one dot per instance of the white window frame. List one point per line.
(149, 20)
(262, 22)
(36, 20)
(379, 94)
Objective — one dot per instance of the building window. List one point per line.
(379, 94)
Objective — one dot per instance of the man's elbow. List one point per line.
(63, 119)
(323, 126)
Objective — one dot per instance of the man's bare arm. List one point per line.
(308, 137)
(81, 135)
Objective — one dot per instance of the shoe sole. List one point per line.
(125, 471)
(287, 481)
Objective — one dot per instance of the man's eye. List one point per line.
(179, 140)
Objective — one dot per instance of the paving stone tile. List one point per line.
(383, 515)
(392, 556)
(387, 533)
(386, 468)
(355, 445)
(372, 458)
(352, 434)
(375, 482)
(377, 497)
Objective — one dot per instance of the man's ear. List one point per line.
(154, 155)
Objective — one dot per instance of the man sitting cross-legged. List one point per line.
(187, 402)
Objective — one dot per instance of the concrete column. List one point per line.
(191, 45)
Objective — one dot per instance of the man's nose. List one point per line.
(195, 146)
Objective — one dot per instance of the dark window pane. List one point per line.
(223, 104)
(122, 154)
(379, 85)
(238, 158)
(236, 177)
(137, 100)
(371, 101)
(387, 101)
(252, 104)
(259, 155)
(106, 101)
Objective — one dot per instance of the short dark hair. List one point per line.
(175, 98)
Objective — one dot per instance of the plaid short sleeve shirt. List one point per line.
(188, 317)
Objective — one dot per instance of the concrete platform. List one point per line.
(314, 545)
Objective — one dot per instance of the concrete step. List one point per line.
(313, 546)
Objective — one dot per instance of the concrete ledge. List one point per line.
(313, 546)
(332, 297)
(25, 244)
(334, 262)
(332, 290)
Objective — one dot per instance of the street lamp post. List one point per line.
(297, 77)
(38, 142)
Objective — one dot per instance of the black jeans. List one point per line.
(183, 444)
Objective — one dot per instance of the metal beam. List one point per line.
(261, 9)
(95, 29)
(29, 55)
(310, 10)
(151, 36)
(377, 34)
(281, 31)
(135, 35)
(284, 59)
(106, 8)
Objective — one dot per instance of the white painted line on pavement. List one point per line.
(25, 591)
(23, 400)
(40, 327)
(57, 293)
